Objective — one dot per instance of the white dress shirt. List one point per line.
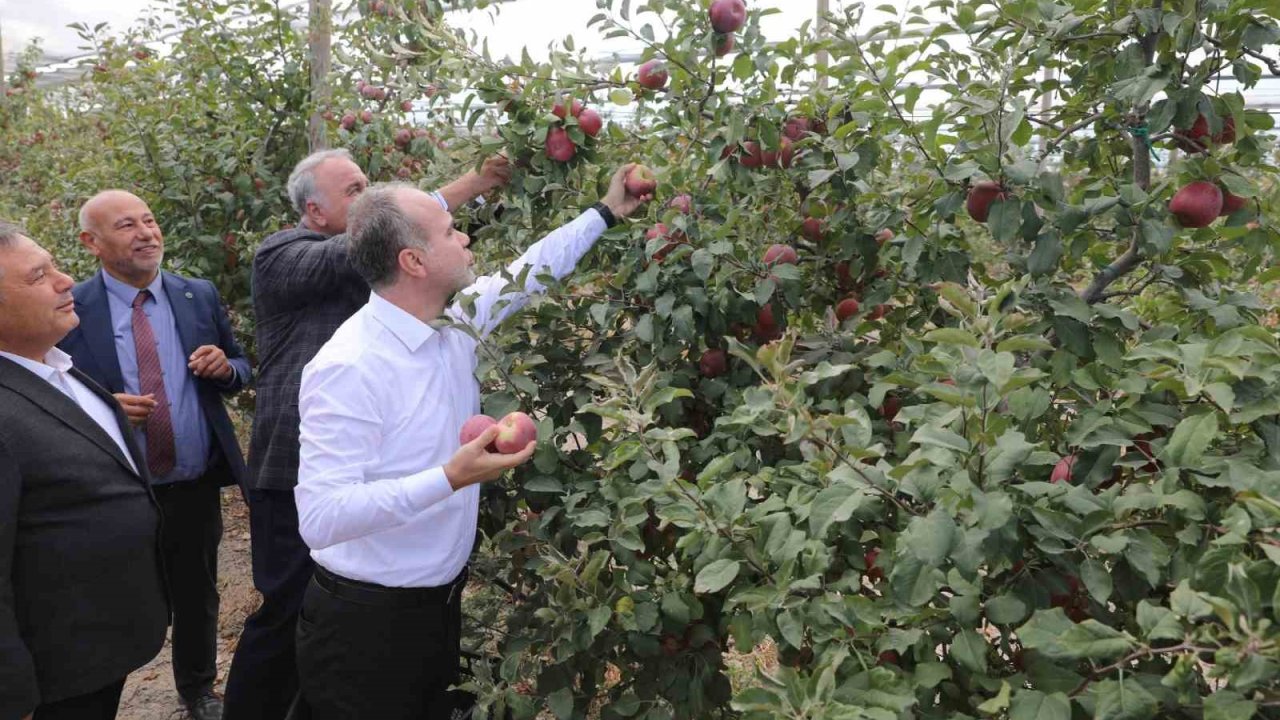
(56, 370)
(382, 405)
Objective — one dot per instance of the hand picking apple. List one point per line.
(491, 448)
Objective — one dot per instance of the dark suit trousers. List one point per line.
(368, 652)
(264, 674)
(192, 530)
(99, 705)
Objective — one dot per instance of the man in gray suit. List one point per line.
(82, 597)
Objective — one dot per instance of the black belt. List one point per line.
(372, 594)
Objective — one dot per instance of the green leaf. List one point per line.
(1190, 439)
(1228, 705)
(1091, 639)
(970, 650)
(560, 703)
(1006, 610)
(951, 336)
(835, 504)
(716, 576)
(598, 618)
(1046, 255)
(998, 703)
(940, 437)
(1123, 700)
(931, 538)
(1004, 219)
(1035, 705)
(1097, 579)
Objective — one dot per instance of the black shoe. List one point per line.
(206, 707)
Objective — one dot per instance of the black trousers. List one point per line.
(192, 512)
(263, 680)
(99, 705)
(367, 652)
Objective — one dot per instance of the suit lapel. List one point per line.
(182, 303)
(122, 421)
(53, 401)
(99, 336)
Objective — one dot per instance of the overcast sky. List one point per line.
(532, 23)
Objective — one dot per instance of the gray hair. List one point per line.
(377, 230)
(9, 234)
(302, 181)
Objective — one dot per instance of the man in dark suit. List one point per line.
(82, 598)
(163, 345)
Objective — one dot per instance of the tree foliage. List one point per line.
(872, 496)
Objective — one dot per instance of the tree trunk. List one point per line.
(320, 33)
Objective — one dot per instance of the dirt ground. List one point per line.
(149, 693)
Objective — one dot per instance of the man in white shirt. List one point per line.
(387, 499)
(82, 600)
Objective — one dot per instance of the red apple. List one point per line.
(403, 137)
(673, 240)
(780, 157)
(1197, 204)
(724, 44)
(559, 147)
(348, 121)
(752, 156)
(406, 106)
(1199, 132)
(652, 75)
(369, 92)
(575, 107)
(728, 15)
(890, 407)
(813, 229)
(1232, 203)
(780, 254)
(590, 122)
(640, 181)
(980, 198)
(884, 236)
(474, 427)
(1062, 471)
(796, 127)
(878, 312)
(844, 279)
(516, 430)
(366, 116)
(846, 308)
(766, 329)
(874, 574)
(714, 363)
(681, 203)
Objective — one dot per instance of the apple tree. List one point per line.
(994, 432)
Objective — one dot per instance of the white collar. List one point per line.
(55, 361)
(411, 331)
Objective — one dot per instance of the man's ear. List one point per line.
(410, 264)
(315, 216)
(90, 241)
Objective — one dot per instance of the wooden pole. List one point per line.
(319, 37)
(4, 83)
(823, 58)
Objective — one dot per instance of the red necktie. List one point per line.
(161, 454)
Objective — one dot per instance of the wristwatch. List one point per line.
(606, 213)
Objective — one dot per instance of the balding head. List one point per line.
(399, 232)
(119, 229)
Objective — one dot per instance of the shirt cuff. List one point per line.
(427, 488)
(440, 199)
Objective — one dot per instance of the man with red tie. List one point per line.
(163, 345)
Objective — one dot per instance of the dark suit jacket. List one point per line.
(201, 320)
(82, 598)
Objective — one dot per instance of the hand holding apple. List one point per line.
(473, 463)
(618, 199)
